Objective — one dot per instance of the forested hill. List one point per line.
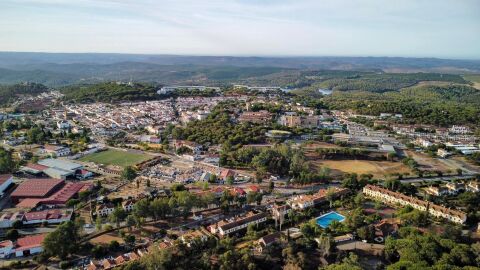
(427, 104)
(65, 69)
(367, 81)
(8, 93)
(110, 92)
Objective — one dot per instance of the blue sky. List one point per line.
(418, 28)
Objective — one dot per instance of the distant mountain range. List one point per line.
(58, 69)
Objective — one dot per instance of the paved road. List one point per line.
(433, 179)
(36, 230)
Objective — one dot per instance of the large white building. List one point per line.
(226, 227)
(168, 89)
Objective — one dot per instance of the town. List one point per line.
(246, 174)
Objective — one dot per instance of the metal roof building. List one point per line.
(60, 164)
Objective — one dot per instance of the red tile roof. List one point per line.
(226, 173)
(254, 188)
(28, 203)
(29, 242)
(6, 243)
(36, 167)
(50, 147)
(46, 215)
(67, 192)
(36, 187)
(218, 189)
(120, 260)
(239, 191)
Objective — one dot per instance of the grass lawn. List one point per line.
(116, 157)
(472, 77)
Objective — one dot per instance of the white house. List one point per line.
(443, 153)
(473, 186)
(24, 246)
(189, 237)
(6, 248)
(63, 124)
(104, 209)
(128, 205)
(7, 219)
(459, 129)
(56, 150)
(51, 216)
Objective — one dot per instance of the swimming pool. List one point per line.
(325, 220)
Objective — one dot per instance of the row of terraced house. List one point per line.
(388, 196)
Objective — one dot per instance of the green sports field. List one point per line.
(116, 157)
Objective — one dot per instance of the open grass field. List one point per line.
(474, 78)
(116, 157)
(378, 169)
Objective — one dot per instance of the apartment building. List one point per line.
(226, 227)
(391, 197)
(260, 117)
(291, 119)
(455, 129)
(302, 202)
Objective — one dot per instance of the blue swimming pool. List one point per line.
(325, 220)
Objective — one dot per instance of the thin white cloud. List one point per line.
(441, 28)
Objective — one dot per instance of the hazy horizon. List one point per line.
(246, 56)
(244, 28)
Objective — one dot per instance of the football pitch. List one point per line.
(116, 157)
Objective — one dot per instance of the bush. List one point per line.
(64, 264)
(113, 246)
(17, 224)
(98, 251)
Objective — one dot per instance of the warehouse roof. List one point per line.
(60, 164)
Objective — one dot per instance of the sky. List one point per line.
(409, 28)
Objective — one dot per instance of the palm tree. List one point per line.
(330, 195)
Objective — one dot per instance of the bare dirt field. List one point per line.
(379, 169)
(315, 145)
(428, 163)
(131, 189)
(107, 238)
